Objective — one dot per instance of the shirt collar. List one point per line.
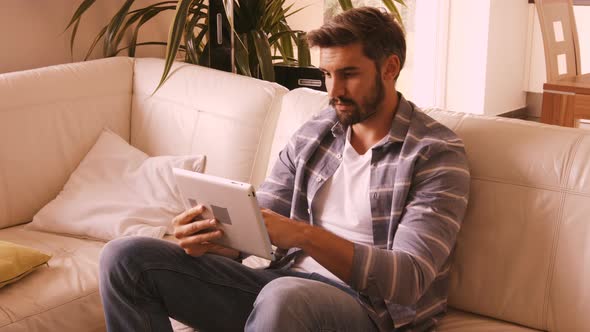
(399, 126)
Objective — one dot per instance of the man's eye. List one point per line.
(326, 74)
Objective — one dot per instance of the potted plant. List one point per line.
(258, 28)
(332, 8)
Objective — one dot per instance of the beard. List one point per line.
(367, 107)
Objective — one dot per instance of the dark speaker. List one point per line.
(220, 37)
(293, 77)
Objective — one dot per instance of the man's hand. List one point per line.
(331, 251)
(283, 232)
(195, 234)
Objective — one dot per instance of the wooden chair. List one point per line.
(566, 96)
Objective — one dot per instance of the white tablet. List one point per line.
(233, 204)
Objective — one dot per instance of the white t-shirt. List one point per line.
(342, 205)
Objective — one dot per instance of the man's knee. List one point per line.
(124, 253)
(297, 304)
(283, 290)
(290, 297)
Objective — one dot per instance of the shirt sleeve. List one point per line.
(426, 232)
(276, 192)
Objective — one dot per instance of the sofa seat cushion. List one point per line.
(461, 321)
(62, 296)
(67, 287)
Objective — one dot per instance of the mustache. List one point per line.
(341, 100)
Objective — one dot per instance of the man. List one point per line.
(368, 197)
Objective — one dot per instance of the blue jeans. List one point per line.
(144, 281)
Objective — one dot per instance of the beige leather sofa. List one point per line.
(522, 260)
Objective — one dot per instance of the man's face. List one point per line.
(354, 84)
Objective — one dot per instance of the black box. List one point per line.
(293, 77)
(220, 38)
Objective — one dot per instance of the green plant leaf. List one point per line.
(258, 24)
(193, 44)
(145, 17)
(191, 54)
(96, 40)
(303, 54)
(79, 11)
(394, 10)
(154, 5)
(264, 55)
(272, 14)
(290, 61)
(146, 14)
(289, 13)
(285, 45)
(136, 14)
(140, 44)
(241, 56)
(286, 35)
(76, 21)
(345, 4)
(74, 31)
(277, 37)
(259, 12)
(174, 37)
(133, 17)
(248, 14)
(390, 4)
(199, 45)
(110, 45)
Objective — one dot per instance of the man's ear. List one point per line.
(391, 68)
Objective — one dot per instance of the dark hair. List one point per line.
(377, 31)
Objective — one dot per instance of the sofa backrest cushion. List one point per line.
(49, 119)
(522, 253)
(229, 118)
(297, 107)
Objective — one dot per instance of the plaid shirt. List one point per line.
(418, 196)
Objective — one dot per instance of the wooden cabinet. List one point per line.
(567, 102)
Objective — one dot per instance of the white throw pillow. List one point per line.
(117, 190)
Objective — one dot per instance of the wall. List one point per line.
(430, 53)
(311, 16)
(507, 37)
(32, 32)
(37, 37)
(582, 14)
(483, 63)
(467, 55)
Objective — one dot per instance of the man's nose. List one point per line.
(335, 87)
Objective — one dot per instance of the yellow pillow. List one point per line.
(17, 261)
